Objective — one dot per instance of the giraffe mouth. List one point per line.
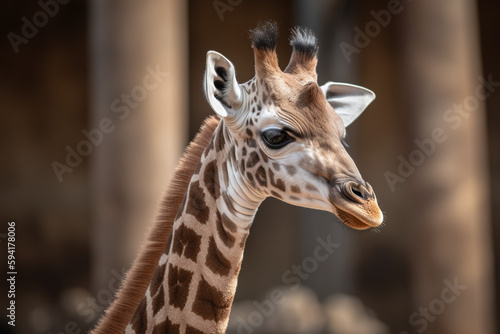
(354, 222)
(356, 207)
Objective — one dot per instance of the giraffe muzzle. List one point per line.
(356, 205)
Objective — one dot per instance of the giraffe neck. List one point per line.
(194, 284)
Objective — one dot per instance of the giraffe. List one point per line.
(278, 135)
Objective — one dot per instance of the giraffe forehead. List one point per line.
(302, 106)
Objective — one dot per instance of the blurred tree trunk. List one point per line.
(450, 212)
(139, 83)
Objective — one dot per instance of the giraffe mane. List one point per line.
(134, 286)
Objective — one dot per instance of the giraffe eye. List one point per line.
(276, 139)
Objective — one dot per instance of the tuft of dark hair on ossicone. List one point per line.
(265, 36)
(304, 41)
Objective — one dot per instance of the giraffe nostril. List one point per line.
(357, 193)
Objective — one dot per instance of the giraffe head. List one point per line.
(286, 132)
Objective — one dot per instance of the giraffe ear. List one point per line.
(221, 88)
(348, 101)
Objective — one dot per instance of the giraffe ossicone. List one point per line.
(279, 134)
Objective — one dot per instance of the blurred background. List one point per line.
(99, 99)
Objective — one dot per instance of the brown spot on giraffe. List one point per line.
(167, 327)
(229, 203)
(249, 132)
(295, 189)
(225, 175)
(276, 166)
(158, 301)
(275, 194)
(242, 166)
(250, 178)
(278, 183)
(311, 187)
(253, 159)
(211, 179)
(209, 147)
(186, 242)
(251, 142)
(291, 169)
(140, 319)
(178, 286)
(219, 139)
(227, 238)
(197, 205)
(242, 244)
(228, 223)
(198, 168)
(233, 154)
(216, 261)
(210, 303)
(244, 151)
(263, 156)
(261, 177)
(158, 279)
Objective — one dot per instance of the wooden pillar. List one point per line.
(450, 202)
(138, 72)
